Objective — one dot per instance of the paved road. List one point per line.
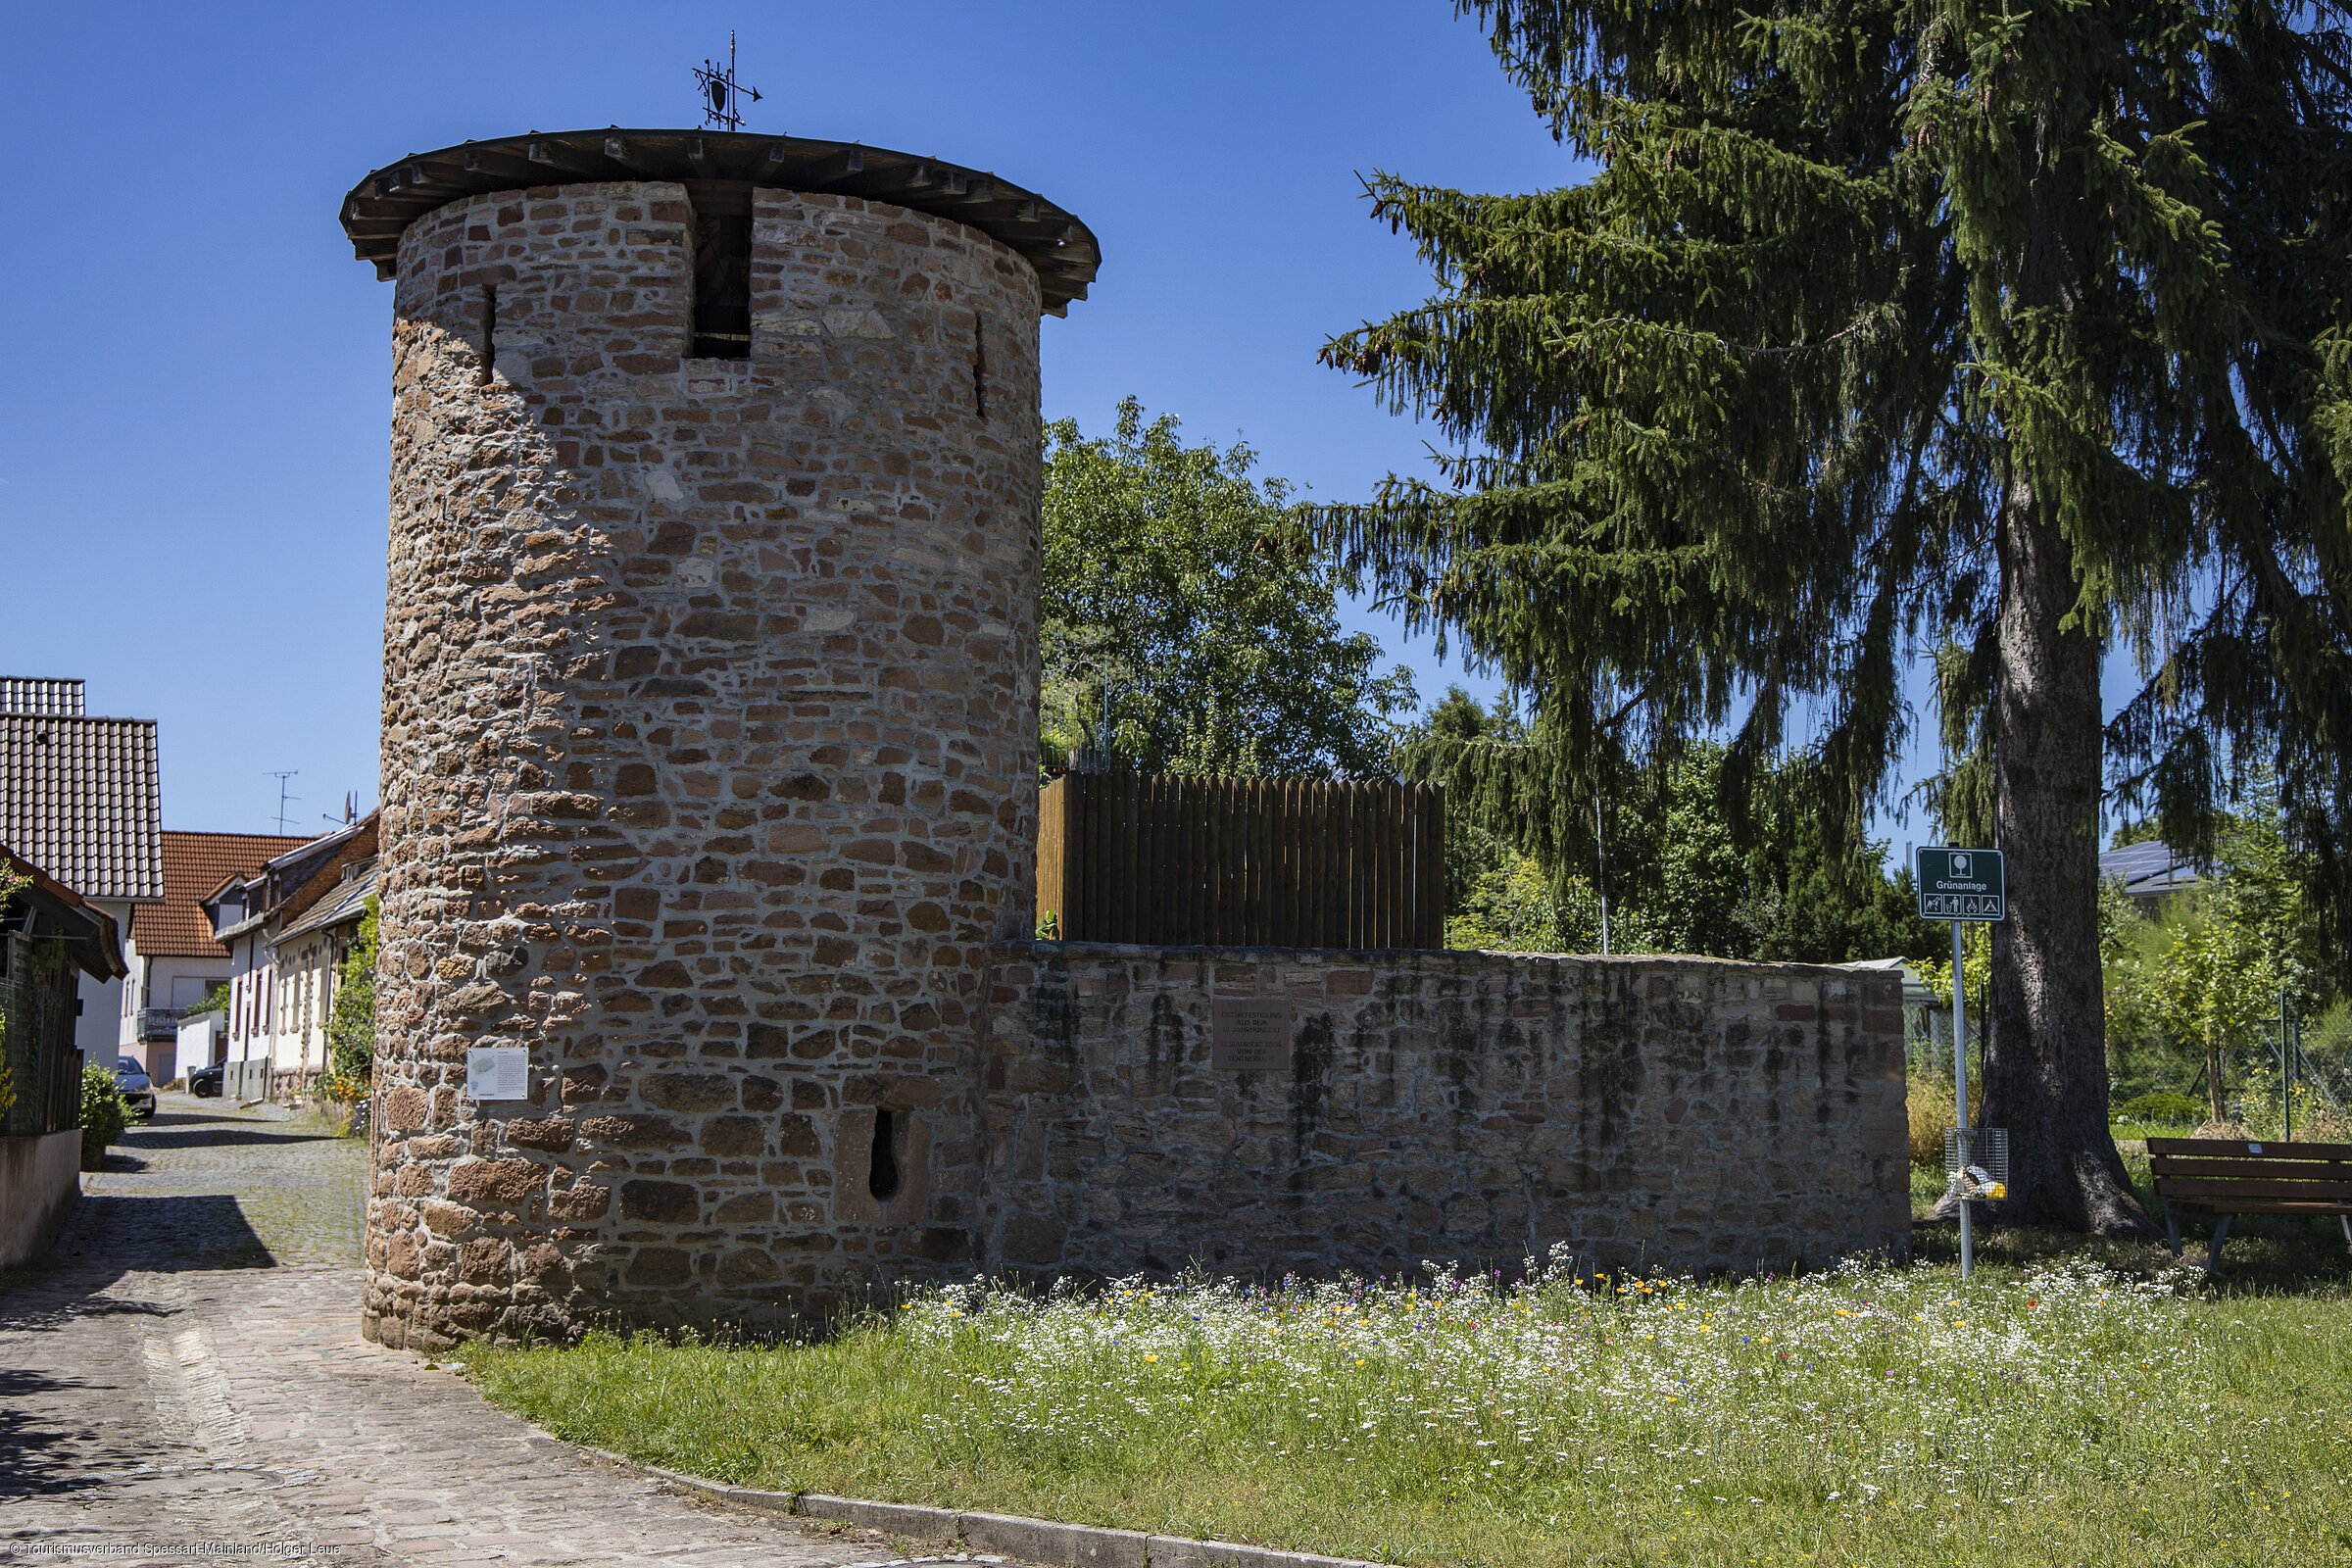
(182, 1379)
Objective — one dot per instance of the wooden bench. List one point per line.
(2226, 1177)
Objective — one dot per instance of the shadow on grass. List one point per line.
(2265, 1255)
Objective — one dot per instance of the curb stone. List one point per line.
(1047, 1543)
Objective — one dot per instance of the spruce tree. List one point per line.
(2006, 334)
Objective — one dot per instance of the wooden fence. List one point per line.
(1242, 862)
(37, 994)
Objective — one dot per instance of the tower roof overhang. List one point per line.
(1061, 249)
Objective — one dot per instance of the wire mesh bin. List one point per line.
(1976, 1163)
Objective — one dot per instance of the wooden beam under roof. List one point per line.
(1063, 250)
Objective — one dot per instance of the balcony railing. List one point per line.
(157, 1023)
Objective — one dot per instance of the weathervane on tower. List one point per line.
(723, 96)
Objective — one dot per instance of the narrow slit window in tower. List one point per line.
(489, 369)
(882, 1164)
(980, 365)
(722, 271)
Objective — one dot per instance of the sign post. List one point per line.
(1962, 886)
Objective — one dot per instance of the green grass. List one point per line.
(2144, 1130)
(1928, 1185)
(2065, 1406)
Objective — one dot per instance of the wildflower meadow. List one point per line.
(2057, 1413)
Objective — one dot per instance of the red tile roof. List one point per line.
(194, 864)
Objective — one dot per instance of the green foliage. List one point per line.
(2328, 1039)
(350, 1023)
(1975, 961)
(2163, 1109)
(1179, 587)
(1508, 904)
(1682, 875)
(213, 1000)
(2198, 986)
(2259, 1104)
(104, 1115)
(2001, 335)
(1855, 293)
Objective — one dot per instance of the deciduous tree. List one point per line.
(1182, 598)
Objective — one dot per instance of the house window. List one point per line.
(722, 270)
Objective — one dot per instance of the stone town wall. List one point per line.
(709, 748)
(1661, 1113)
(40, 1182)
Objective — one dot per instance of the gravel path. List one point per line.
(182, 1379)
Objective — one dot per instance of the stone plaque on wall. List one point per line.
(1250, 1034)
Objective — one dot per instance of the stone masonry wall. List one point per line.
(709, 730)
(1661, 1113)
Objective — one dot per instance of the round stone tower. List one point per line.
(710, 719)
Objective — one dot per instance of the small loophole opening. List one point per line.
(489, 365)
(980, 367)
(882, 1165)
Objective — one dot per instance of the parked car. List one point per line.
(131, 1083)
(205, 1082)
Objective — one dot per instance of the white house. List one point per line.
(171, 953)
(308, 902)
(307, 954)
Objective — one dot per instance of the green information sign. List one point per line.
(1962, 885)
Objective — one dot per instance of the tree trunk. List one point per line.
(2213, 1076)
(2046, 1050)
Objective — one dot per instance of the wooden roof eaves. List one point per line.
(1063, 251)
(98, 948)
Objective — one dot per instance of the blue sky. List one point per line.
(193, 412)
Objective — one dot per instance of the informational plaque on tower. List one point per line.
(1250, 1034)
(498, 1072)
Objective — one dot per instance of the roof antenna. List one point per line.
(723, 96)
(283, 797)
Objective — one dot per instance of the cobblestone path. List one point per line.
(182, 1379)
